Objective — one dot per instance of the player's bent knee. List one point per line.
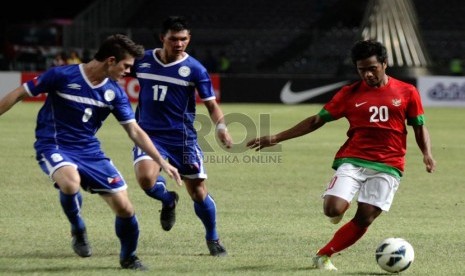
(145, 181)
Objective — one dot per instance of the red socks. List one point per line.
(347, 235)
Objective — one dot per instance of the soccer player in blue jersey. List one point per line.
(168, 79)
(80, 97)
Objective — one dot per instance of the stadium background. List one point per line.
(303, 43)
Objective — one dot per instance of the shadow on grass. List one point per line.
(267, 268)
(369, 273)
(47, 262)
(56, 269)
(46, 255)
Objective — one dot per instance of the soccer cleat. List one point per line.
(133, 263)
(324, 263)
(80, 243)
(168, 214)
(336, 220)
(216, 248)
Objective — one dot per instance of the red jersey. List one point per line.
(377, 135)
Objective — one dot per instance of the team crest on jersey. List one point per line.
(184, 71)
(109, 95)
(396, 102)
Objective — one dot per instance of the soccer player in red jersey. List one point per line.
(371, 161)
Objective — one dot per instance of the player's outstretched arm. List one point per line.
(306, 126)
(424, 143)
(12, 98)
(141, 139)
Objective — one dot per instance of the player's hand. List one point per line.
(262, 142)
(172, 172)
(224, 137)
(430, 163)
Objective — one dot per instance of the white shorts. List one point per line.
(373, 187)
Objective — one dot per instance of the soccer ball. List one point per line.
(394, 255)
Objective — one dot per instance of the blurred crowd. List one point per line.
(30, 58)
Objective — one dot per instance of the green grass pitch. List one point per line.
(269, 207)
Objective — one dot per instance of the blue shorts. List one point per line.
(97, 172)
(187, 158)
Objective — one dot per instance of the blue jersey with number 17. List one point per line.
(166, 108)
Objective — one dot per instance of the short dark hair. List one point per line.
(363, 49)
(175, 23)
(119, 46)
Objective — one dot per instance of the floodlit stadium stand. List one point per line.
(271, 36)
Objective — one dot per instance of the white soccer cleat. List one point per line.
(324, 263)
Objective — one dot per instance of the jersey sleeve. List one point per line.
(335, 108)
(44, 83)
(122, 108)
(415, 112)
(324, 114)
(204, 86)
